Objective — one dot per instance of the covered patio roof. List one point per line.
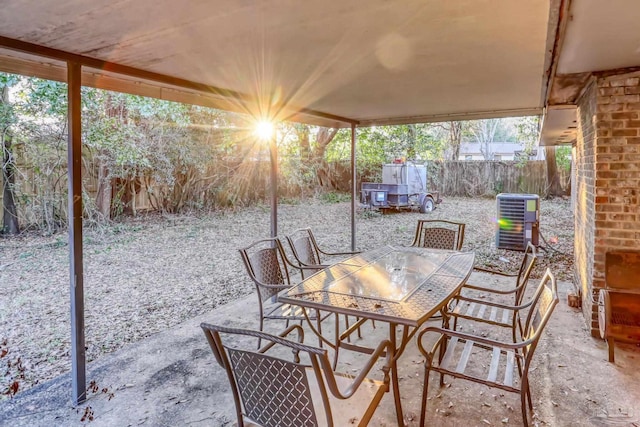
(330, 63)
(366, 62)
(333, 63)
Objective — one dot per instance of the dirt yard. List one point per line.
(150, 273)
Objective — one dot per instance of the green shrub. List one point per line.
(335, 197)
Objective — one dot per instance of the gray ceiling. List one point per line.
(368, 60)
(371, 61)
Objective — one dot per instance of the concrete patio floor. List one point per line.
(172, 379)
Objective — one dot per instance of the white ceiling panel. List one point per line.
(601, 35)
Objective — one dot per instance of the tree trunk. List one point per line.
(455, 138)
(484, 132)
(553, 179)
(323, 139)
(411, 146)
(9, 212)
(103, 197)
(305, 143)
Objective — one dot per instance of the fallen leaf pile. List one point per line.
(146, 274)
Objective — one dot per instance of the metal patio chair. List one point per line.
(480, 310)
(307, 254)
(439, 234)
(283, 389)
(306, 251)
(268, 267)
(491, 356)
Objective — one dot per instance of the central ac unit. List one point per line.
(518, 220)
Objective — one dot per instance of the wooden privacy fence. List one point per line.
(488, 178)
(475, 178)
(238, 182)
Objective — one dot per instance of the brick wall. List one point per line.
(608, 179)
(584, 187)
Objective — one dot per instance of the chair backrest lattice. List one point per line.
(304, 249)
(439, 238)
(439, 234)
(265, 263)
(274, 392)
(307, 253)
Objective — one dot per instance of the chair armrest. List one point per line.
(383, 348)
(470, 337)
(492, 290)
(339, 253)
(278, 286)
(315, 267)
(499, 273)
(302, 266)
(285, 334)
(493, 304)
(277, 339)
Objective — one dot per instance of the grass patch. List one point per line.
(334, 197)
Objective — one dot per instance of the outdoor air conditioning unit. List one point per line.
(518, 220)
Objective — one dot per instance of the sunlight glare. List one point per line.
(264, 130)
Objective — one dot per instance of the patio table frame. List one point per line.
(442, 279)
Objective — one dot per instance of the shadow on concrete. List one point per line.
(172, 379)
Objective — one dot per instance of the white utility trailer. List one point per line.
(404, 186)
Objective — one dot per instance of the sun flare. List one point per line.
(264, 130)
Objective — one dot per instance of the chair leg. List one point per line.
(336, 341)
(319, 323)
(519, 364)
(346, 325)
(443, 349)
(261, 327)
(445, 320)
(425, 388)
(611, 345)
(523, 401)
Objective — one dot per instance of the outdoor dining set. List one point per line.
(284, 379)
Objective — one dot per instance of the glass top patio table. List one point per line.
(403, 285)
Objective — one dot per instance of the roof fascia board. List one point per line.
(478, 115)
(558, 20)
(226, 96)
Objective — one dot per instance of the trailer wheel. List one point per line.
(427, 205)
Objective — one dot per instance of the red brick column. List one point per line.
(607, 166)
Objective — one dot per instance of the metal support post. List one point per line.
(353, 187)
(273, 154)
(74, 168)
